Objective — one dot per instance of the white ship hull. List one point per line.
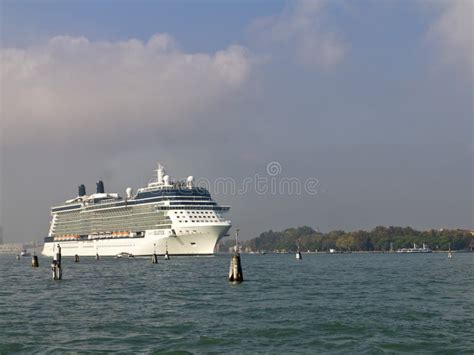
(166, 216)
(200, 242)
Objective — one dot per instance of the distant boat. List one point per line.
(124, 255)
(25, 252)
(415, 249)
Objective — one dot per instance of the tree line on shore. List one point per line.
(378, 239)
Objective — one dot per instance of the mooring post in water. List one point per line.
(154, 257)
(18, 257)
(76, 258)
(298, 253)
(167, 256)
(235, 270)
(34, 258)
(97, 254)
(56, 264)
(450, 253)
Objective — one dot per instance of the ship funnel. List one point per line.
(100, 187)
(82, 190)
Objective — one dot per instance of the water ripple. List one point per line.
(324, 303)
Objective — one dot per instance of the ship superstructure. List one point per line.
(167, 215)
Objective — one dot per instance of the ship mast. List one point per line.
(160, 173)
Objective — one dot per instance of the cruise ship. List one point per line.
(167, 216)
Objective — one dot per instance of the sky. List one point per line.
(332, 114)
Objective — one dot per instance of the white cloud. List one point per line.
(453, 33)
(74, 86)
(301, 26)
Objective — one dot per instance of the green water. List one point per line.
(346, 303)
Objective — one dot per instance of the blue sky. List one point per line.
(372, 98)
(204, 25)
(198, 25)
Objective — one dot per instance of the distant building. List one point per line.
(11, 248)
(467, 230)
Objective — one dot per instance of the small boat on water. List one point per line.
(415, 249)
(25, 252)
(124, 255)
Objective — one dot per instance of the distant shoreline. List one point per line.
(339, 253)
(378, 240)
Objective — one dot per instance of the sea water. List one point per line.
(342, 303)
